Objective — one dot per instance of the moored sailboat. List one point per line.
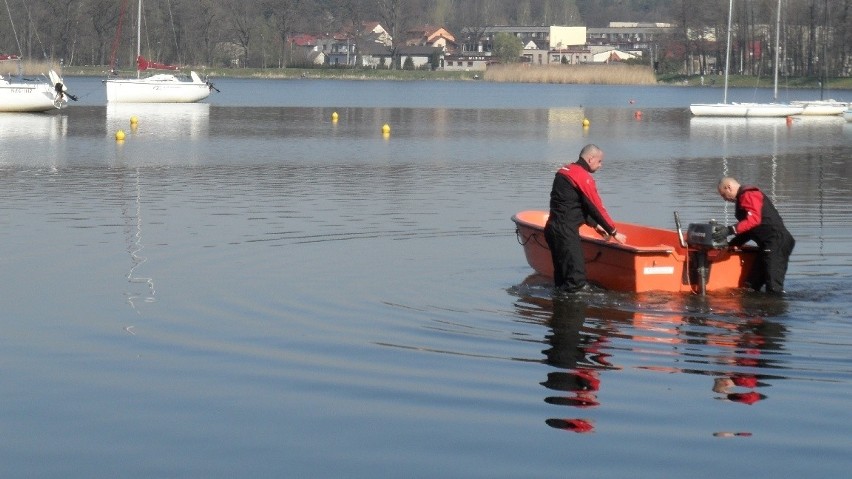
(158, 88)
(821, 107)
(746, 110)
(22, 94)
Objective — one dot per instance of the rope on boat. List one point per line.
(533, 236)
(597, 257)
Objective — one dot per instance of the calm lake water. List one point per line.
(243, 288)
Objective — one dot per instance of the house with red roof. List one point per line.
(431, 36)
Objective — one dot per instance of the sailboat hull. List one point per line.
(162, 88)
(821, 107)
(20, 95)
(745, 110)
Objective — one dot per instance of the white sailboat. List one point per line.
(760, 110)
(20, 94)
(159, 88)
(821, 107)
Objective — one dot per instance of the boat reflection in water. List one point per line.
(159, 120)
(33, 126)
(33, 139)
(730, 129)
(729, 338)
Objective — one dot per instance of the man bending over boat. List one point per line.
(574, 200)
(760, 222)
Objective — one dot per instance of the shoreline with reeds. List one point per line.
(607, 74)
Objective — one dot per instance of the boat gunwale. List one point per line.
(644, 250)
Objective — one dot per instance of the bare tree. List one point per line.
(393, 15)
(203, 26)
(240, 16)
(104, 19)
(285, 14)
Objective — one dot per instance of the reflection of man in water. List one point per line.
(568, 348)
(726, 385)
(760, 222)
(745, 347)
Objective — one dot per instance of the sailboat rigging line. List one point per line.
(117, 35)
(174, 32)
(728, 51)
(777, 43)
(143, 18)
(35, 30)
(15, 32)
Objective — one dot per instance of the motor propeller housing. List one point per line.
(700, 236)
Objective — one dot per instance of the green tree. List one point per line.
(507, 47)
(435, 60)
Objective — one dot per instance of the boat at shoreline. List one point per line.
(652, 259)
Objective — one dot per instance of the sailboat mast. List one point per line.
(727, 51)
(139, 34)
(824, 51)
(777, 45)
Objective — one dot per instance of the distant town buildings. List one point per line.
(434, 47)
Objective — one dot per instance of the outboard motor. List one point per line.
(699, 241)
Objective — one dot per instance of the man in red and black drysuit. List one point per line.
(574, 200)
(760, 222)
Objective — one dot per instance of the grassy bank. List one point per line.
(612, 74)
(285, 73)
(755, 82)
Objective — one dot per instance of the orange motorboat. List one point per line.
(652, 259)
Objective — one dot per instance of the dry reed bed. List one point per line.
(609, 74)
(28, 68)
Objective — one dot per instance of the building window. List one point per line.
(470, 64)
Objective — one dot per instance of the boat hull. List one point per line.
(821, 107)
(745, 110)
(28, 96)
(163, 88)
(651, 260)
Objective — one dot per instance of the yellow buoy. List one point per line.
(585, 122)
(386, 129)
(334, 116)
(119, 135)
(134, 120)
